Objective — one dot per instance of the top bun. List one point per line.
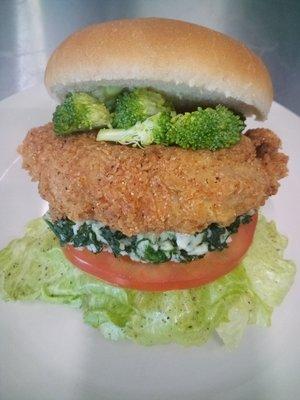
(192, 64)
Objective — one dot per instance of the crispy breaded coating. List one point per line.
(267, 144)
(154, 189)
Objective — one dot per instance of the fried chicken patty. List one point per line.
(154, 189)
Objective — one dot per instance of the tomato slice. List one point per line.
(126, 273)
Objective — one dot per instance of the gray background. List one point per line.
(31, 29)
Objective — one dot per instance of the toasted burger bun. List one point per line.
(192, 64)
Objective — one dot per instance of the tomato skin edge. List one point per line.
(122, 272)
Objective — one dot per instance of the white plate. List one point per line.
(46, 352)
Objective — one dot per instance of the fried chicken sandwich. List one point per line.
(154, 183)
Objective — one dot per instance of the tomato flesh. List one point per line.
(124, 272)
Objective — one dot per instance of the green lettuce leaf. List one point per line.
(34, 268)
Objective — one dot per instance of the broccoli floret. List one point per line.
(137, 105)
(80, 112)
(209, 128)
(152, 130)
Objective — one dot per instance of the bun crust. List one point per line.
(192, 64)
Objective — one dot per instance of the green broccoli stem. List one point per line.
(129, 136)
(152, 130)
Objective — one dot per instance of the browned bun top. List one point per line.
(192, 64)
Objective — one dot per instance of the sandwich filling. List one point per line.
(173, 187)
(148, 247)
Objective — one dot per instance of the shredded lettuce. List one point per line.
(34, 268)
